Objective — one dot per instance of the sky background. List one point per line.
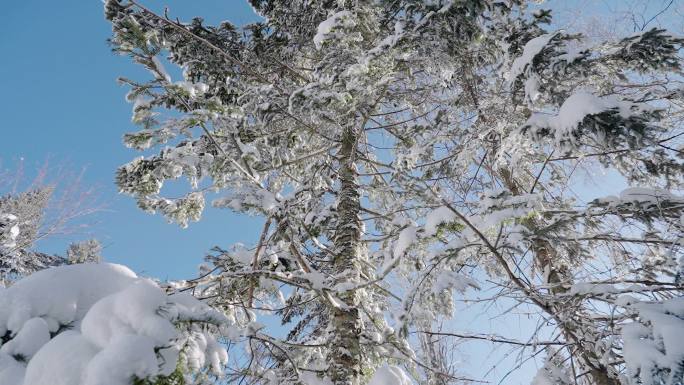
(60, 102)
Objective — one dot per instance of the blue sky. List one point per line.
(60, 100)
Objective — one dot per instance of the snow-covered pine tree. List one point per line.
(21, 216)
(53, 203)
(401, 151)
(587, 268)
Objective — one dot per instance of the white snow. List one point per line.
(193, 89)
(451, 280)
(10, 231)
(390, 375)
(80, 286)
(61, 361)
(550, 374)
(644, 196)
(573, 111)
(497, 207)
(531, 49)
(161, 69)
(656, 346)
(532, 88)
(571, 54)
(268, 200)
(309, 378)
(118, 327)
(130, 311)
(126, 357)
(326, 27)
(436, 217)
(29, 340)
(406, 238)
(647, 195)
(11, 371)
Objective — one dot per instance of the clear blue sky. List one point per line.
(60, 100)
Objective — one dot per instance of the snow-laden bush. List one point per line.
(653, 350)
(97, 324)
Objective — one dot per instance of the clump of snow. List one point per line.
(326, 27)
(160, 68)
(532, 88)
(530, 51)
(29, 340)
(572, 54)
(551, 374)
(436, 217)
(451, 280)
(204, 350)
(644, 197)
(390, 375)
(193, 89)
(585, 288)
(11, 371)
(406, 238)
(307, 378)
(498, 206)
(573, 111)
(9, 231)
(126, 356)
(109, 326)
(647, 195)
(388, 42)
(653, 345)
(61, 295)
(132, 310)
(62, 361)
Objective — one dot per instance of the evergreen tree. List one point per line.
(405, 152)
(21, 216)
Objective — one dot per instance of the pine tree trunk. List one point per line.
(345, 322)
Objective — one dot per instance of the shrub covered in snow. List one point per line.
(97, 324)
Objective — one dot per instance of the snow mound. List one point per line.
(96, 324)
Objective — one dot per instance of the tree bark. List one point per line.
(345, 321)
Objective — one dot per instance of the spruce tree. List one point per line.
(402, 154)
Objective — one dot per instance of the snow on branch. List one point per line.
(607, 120)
